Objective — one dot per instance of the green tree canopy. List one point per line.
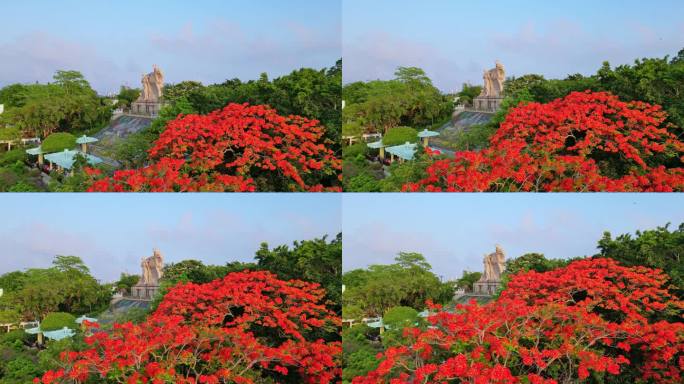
(409, 282)
(467, 280)
(318, 260)
(661, 248)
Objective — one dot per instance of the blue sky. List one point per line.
(111, 232)
(115, 42)
(454, 40)
(454, 231)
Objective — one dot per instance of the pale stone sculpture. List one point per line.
(493, 81)
(152, 268)
(153, 85)
(494, 265)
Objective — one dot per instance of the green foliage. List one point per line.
(12, 157)
(467, 280)
(126, 281)
(133, 152)
(20, 370)
(352, 312)
(400, 135)
(49, 357)
(197, 272)
(655, 81)
(654, 248)
(353, 129)
(400, 317)
(9, 316)
(394, 321)
(351, 152)
(194, 271)
(409, 282)
(127, 96)
(317, 260)
(57, 320)
(68, 104)
(468, 93)
(410, 99)
(533, 262)
(359, 351)
(401, 173)
(475, 137)
(306, 92)
(58, 142)
(10, 133)
(362, 182)
(133, 315)
(65, 287)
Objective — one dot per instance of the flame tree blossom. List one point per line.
(248, 327)
(593, 317)
(586, 141)
(238, 148)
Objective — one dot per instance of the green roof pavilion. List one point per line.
(37, 151)
(84, 141)
(378, 145)
(404, 151)
(425, 135)
(66, 158)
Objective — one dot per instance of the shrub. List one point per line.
(58, 320)
(58, 142)
(400, 135)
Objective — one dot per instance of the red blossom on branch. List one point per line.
(240, 329)
(583, 142)
(237, 148)
(554, 327)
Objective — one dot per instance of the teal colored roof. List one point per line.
(375, 324)
(426, 133)
(376, 144)
(65, 159)
(85, 140)
(405, 151)
(32, 331)
(34, 151)
(59, 334)
(86, 318)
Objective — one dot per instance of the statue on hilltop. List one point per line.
(152, 268)
(494, 81)
(494, 265)
(153, 85)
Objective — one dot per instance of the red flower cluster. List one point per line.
(237, 148)
(583, 142)
(554, 327)
(240, 329)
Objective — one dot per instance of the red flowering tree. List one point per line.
(591, 318)
(238, 148)
(248, 327)
(583, 142)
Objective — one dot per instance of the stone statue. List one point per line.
(494, 265)
(153, 85)
(152, 268)
(493, 81)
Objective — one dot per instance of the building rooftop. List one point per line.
(405, 151)
(66, 158)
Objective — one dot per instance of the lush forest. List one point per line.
(557, 298)
(617, 130)
(300, 153)
(268, 296)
